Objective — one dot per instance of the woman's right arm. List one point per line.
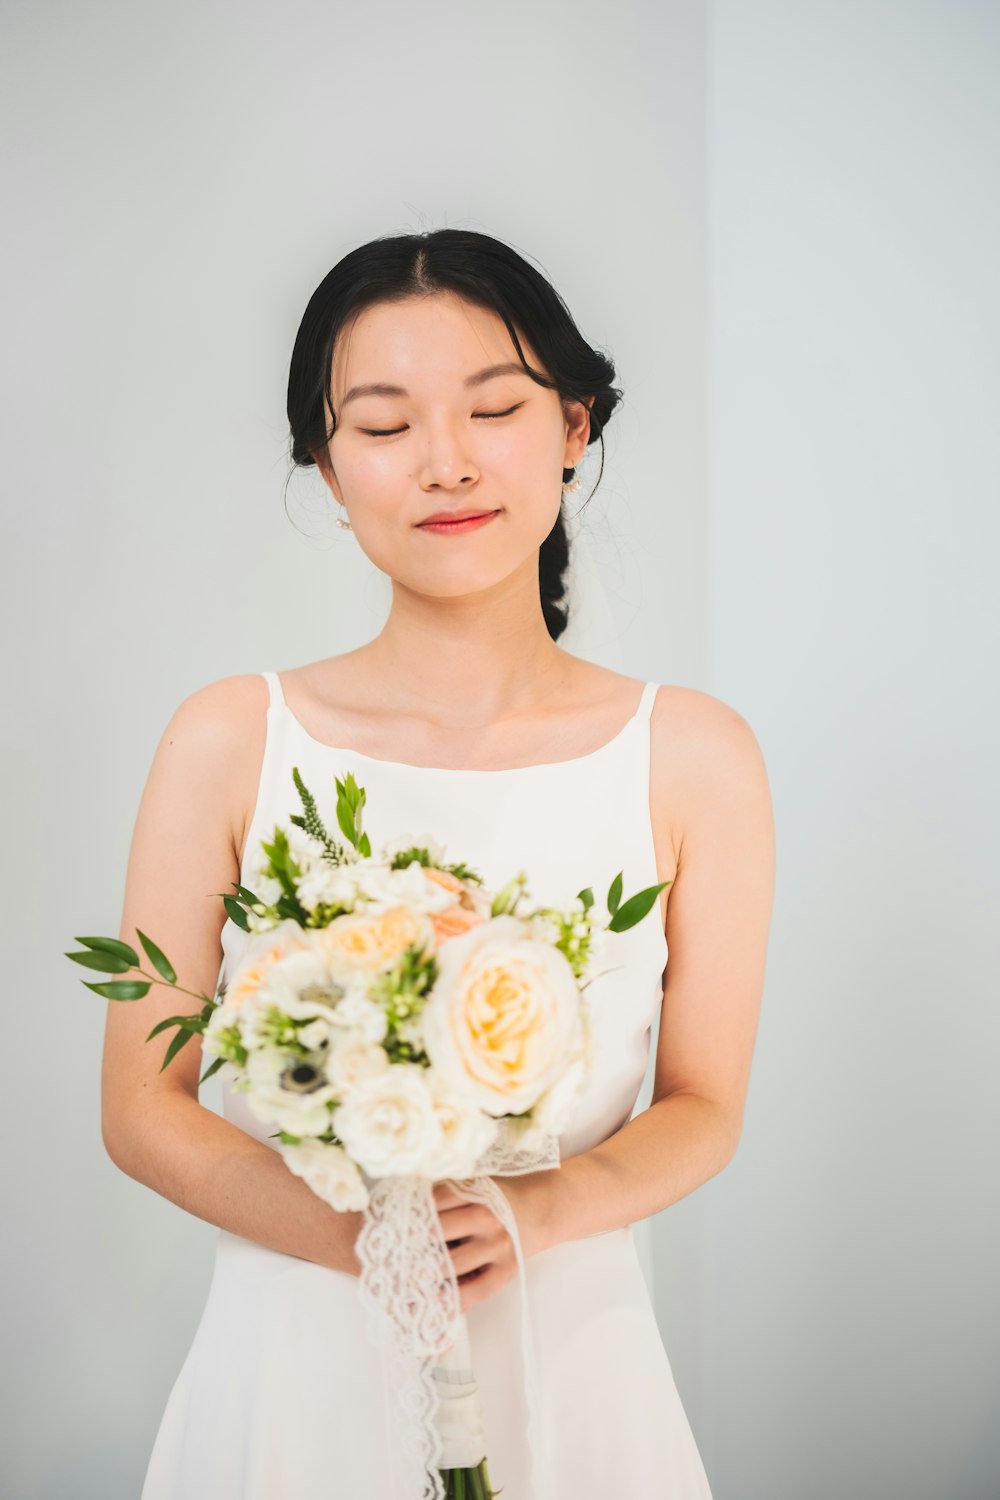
(185, 853)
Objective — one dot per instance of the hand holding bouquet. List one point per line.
(401, 1026)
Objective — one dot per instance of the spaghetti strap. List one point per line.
(277, 697)
(645, 709)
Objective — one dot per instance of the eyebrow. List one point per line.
(379, 388)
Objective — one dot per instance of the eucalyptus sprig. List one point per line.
(112, 956)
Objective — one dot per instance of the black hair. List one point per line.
(484, 271)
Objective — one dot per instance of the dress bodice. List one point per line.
(567, 823)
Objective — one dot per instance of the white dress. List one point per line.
(281, 1395)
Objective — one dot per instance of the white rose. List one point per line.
(353, 1059)
(330, 1172)
(388, 1123)
(552, 1112)
(466, 1132)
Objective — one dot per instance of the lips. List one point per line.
(447, 516)
(456, 522)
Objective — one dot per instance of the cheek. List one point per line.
(371, 474)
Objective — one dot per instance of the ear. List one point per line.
(577, 430)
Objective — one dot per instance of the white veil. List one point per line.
(590, 630)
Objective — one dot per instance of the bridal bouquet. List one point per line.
(401, 1026)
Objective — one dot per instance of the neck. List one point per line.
(470, 660)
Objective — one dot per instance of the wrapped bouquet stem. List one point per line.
(402, 1026)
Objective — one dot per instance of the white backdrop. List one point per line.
(780, 219)
(849, 1341)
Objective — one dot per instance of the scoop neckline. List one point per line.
(543, 765)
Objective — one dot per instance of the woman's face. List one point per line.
(434, 445)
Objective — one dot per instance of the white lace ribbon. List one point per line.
(409, 1285)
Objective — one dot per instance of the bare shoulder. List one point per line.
(701, 733)
(221, 728)
(220, 709)
(704, 754)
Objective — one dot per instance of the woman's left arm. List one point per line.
(718, 921)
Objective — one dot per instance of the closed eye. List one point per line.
(391, 431)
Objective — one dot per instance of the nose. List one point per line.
(446, 463)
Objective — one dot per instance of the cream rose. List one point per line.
(503, 1019)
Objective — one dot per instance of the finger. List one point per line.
(463, 1220)
(475, 1289)
(470, 1256)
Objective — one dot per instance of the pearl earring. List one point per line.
(342, 521)
(572, 488)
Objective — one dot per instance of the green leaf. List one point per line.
(615, 893)
(587, 897)
(111, 945)
(158, 958)
(172, 1021)
(247, 896)
(351, 799)
(283, 865)
(107, 963)
(180, 1040)
(636, 907)
(121, 989)
(216, 1065)
(236, 913)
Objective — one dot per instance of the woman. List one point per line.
(437, 377)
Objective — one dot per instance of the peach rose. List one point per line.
(471, 895)
(373, 940)
(452, 921)
(449, 882)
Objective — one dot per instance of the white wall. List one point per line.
(178, 179)
(849, 1340)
